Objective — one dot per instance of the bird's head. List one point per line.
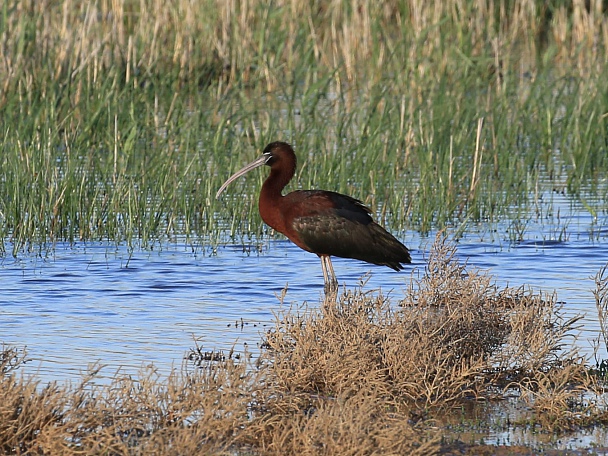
(278, 155)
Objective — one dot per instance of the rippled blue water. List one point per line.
(97, 303)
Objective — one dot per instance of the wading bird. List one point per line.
(321, 222)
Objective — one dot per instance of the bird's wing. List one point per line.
(329, 223)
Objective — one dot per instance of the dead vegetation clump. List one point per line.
(358, 376)
(601, 301)
(198, 413)
(223, 408)
(456, 335)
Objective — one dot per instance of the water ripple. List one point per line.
(125, 310)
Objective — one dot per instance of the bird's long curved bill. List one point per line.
(254, 164)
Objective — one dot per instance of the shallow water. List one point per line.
(97, 303)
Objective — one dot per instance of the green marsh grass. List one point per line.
(119, 120)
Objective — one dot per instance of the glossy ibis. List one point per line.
(321, 222)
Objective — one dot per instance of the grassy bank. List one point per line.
(119, 120)
(359, 376)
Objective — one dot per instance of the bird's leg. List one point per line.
(332, 275)
(331, 282)
(325, 278)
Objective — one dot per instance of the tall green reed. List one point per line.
(120, 121)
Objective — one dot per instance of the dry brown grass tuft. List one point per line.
(358, 422)
(565, 397)
(11, 358)
(455, 336)
(185, 414)
(601, 301)
(360, 376)
(25, 412)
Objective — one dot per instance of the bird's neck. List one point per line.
(271, 199)
(276, 182)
